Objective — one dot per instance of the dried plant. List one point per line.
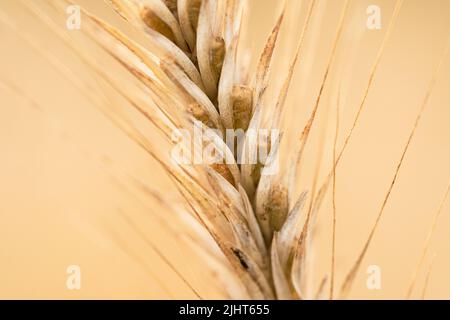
(192, 69)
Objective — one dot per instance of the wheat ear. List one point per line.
(196, 76)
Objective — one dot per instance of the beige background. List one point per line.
(68, 175)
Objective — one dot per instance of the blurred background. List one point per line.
(74, 189)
